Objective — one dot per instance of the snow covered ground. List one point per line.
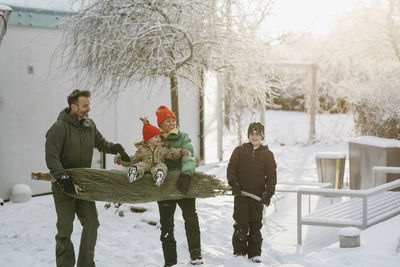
(27, 229)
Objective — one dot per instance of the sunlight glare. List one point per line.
(315, 16)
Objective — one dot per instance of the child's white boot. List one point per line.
(132, 174)
(159, 177)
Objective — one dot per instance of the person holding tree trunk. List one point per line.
(252, 169)
(70, 142)
(178, 139)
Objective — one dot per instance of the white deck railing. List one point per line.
(347, 213)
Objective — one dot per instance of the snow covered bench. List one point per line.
(363, 209)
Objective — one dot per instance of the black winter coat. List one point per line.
(253, 170)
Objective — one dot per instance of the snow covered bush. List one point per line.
(360, 62)
(377, 111)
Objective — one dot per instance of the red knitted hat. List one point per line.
(150, 131)
(164, 113)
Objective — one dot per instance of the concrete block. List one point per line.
(349, 237)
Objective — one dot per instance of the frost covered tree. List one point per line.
(361, 60)
(118, 41)
(241, 59)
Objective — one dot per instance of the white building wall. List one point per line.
(31, 102)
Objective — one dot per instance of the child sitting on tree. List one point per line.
(251, 169)
(150, 156)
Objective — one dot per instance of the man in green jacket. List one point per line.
(69, 144)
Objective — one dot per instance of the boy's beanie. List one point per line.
(149, 130)
(256, 127)
(164, 113)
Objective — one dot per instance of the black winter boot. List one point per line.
(170, 256)
(168, 264)
(195, 257)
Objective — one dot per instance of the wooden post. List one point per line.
(299, 237)
(262, 114)
(314, 87)
(220, 115)
(312, 109)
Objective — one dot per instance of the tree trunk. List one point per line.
(201, 114)
(239, 130)
(227, 76)
(391, 26)
(227, 109)
(174, 96)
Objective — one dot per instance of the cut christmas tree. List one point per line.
(113, 186)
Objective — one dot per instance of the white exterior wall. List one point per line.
(30, 104)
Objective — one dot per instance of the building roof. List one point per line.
(42, 13)
(55, 5)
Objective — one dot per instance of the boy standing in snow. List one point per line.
(252, 169)
(150, 156)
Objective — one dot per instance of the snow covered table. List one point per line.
(363, 209)
(366, 152)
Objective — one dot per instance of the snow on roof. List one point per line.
(3, 7)
(59, 5)
(375, 141)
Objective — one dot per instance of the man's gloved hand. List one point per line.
(183, 183)
(265, 200)
(236, 190)
(117, 148)
(66, 184)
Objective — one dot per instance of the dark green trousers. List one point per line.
(247, 238)
(66, 208)
(167, 210)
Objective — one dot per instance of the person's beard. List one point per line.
(82, 114)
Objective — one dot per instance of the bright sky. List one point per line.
(314, 16)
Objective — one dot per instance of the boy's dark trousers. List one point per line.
(167, 211)
(247, 236)
(66, 208)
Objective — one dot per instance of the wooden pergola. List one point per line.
(313, 96)
(311, 110)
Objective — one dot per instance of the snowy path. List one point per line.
(27, 230)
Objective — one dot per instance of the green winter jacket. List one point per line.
(70, 143)
(187, 164)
